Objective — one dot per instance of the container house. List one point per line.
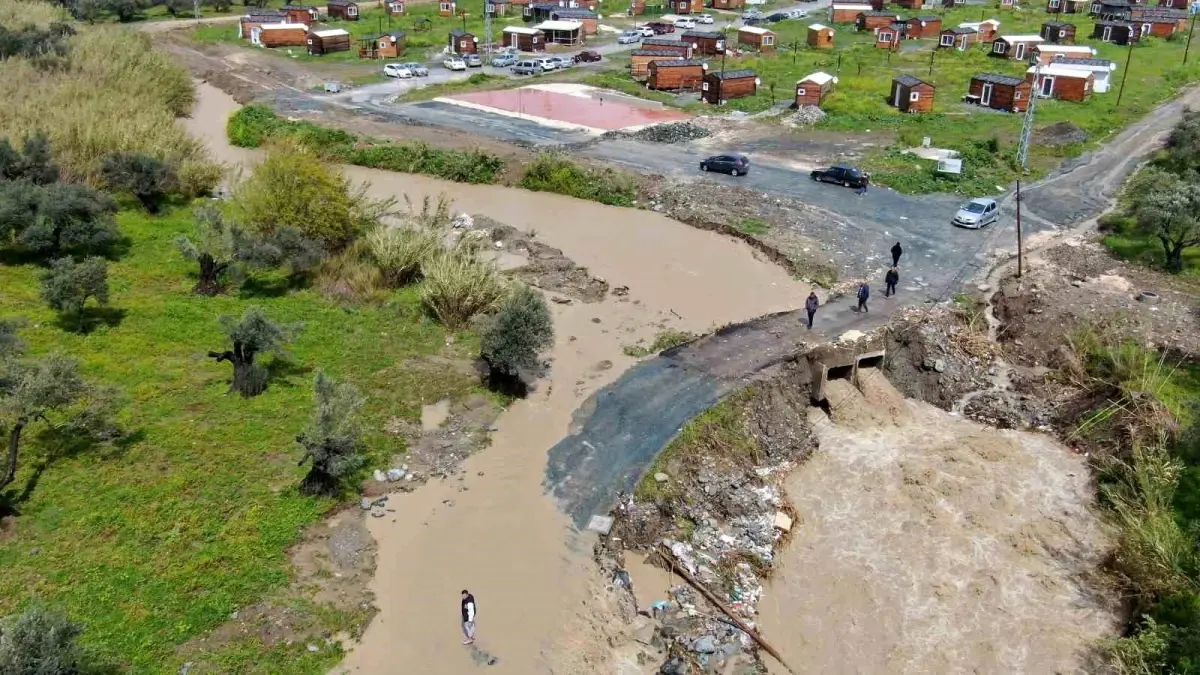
(1015, 47)
(280, 35)
(388, 45)
(524, 39)
(958, 38)
(1063, 83)
(1058, 32)
(728, 4)
(395, 7)
(322, 42)
(756, 38)
(562, 32)
(447, 7)
(720, 87)
(911, 94)
(987, 30)
(921, 27)
(707, 43)
(346, 10)
(874, 20)
(889, 36)
(662, 44)
(1047, 54)
(589, 19)
(639, 60)
(461, 42)
(1101, 69)
(840, 12)
(304, 14)
(1116, 32)
(1066, 6)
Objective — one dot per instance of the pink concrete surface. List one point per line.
(606, 114)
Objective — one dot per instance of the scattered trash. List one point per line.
(600, 524)
(394, 475)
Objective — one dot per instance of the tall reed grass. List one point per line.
(112, 93)
(459, 286)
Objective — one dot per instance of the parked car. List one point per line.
(798, 14)
(977, 213)
(660, 28)
(397, 70)
(738, 165)
(416, 69)
(646, 31)
(527, 67)
(503, 60)
(454, 63)
(842, 175)
(588, 56)
(685, 23)
(473, 60)
(704, 18)
(561, 62)
(630, 37)
(752, 14)
(548, 63)
(777, 17)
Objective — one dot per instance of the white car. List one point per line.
(548, 63)
(704, 18)
(646, 31)
(977, 213)
(684, 22)
(397, 70)
(630, 37)
(454, 63)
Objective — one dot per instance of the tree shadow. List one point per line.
(91, 318)
(271, 285)
(61, 445)
(284, 371)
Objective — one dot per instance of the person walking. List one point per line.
(864, 292)
(896, 252)
(891, 279)
(468, 617)
(862, 189)
(810, 306)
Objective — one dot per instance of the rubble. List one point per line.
(672, 132)
(1059, 133)
(805, 115)
(546, 267)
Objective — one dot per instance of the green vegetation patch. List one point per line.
(254, 125)
(163, 537)
(551, 172)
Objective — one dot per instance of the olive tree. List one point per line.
(146, 177)
(40, 641)
(33, 163)
(48, 391)
(1166, 206)
(512, 339)
(67, 285)
(331, 442)
(223, 250)
(251, 335)
(56, 218)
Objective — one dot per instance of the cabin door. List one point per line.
(256, 36)
(896, 102)
(1047, 86)
(1020, 51)
(986, 98)
(1107, 35)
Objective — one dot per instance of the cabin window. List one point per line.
(1054, 4)
(462, 44)
(885, 37)
(1062, 33)
(446, 6)
(766, 40)
(534, 40)
(1145, 29)
(800, 91)
(704, 86)
(999, 48)
(914, 96)
(1016, 96)
(947, 40)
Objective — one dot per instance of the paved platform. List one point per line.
(573, 107)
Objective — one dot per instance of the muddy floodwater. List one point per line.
(930, 544)
(492, 529)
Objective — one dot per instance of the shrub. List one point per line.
(399, 252)
(147, 178)
(511, 340)
(68, 285)
(332, 442)
(56, 218)
(251, 126)
(32, 163)
(458, 286)
(554, 173)
(351, 276)
(40, 641)
(250, 336)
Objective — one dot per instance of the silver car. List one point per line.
(977, 213)
(629, 37)
(416, 69)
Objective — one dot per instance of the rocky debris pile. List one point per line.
(934, 355)
(1011, 410)
(546, 267)
(805, 115)
(672, 132)
(1059, 133)
(717, 645)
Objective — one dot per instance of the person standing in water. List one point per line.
(468, 617)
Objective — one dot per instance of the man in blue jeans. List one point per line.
(810, 306)
(864, 292)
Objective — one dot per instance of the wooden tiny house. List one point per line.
(322, 42)
(707, 43)
(813, 89)
(524, 39)
(986, 30)
(756, 38)
(911, 95)
(685, 7)
(910, 4)
(1008, 4)
(461, 42)
(1159, 22)
(665, 45)
(639, 60)
(446, 7)
(675, 74)
(382, 45)
(728, 4)
(1066, 6)
(889, 36)
(957, 38)
(1047, 54)
(589, 19)
(1116, 32)
(280, 35)
(921, 27)
(1101, 69)
(1063, 83)
(1015, 47)
(1058, 32)
(342, 9)
(847, 12)
(874, 20)
(1000, 92)
(562, 32)
(720, 87)
(304, 14)
(1174, 4)
(395, 7)
(820, 36)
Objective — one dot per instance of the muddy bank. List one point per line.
(932, 544)
(490, 527)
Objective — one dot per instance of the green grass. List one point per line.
(160, 541)
(475, 82)
(1124, 241)
(752, 226)
(555, 173)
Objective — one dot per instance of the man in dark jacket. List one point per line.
(896, 251)
(864, 292)
(468, 617)
(810, 306)
(891, 279)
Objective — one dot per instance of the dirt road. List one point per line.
(493, 529)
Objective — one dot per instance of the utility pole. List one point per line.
(1125, 74)
(931, 55)
(1189, 40)
(1020, 240)
(489, 8)
(1023, 156)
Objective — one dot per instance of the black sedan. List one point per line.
(738, 165)
(842, 175)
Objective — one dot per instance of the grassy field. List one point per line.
(160, 540)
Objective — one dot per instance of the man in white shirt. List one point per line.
(468, 616)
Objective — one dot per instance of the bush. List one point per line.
(458, 286)
(351, 276)
(332, 442)
(511, 340)
(251, 126)
(41, 642)
(399, 252)
(554, 173)
(68, 285)
(147, 178)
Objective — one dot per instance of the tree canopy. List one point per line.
(224, 250)
(40, 641)
(147, 178)
(1166, 205)
(511, 340)
(56, 218)
(67, 285)
(253, 334)
(331, 442)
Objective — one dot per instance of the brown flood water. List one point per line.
(495, 531)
